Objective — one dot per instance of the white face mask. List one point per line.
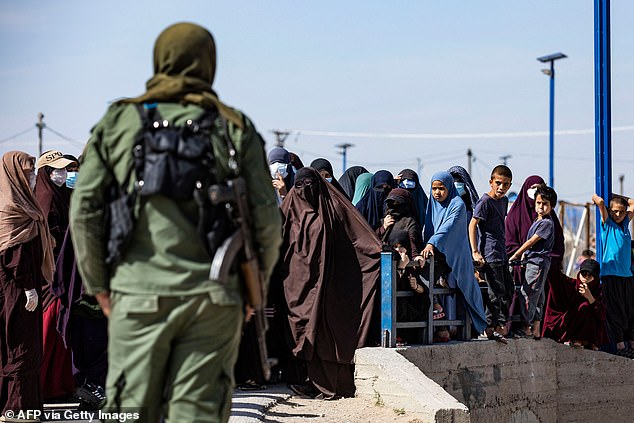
(328, 179)
(460, 188)
(531, 193)
(276, 168)
(32, 179)
(58, 177)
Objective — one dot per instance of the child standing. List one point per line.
(490, 255)
(536, 250)
(616, 272)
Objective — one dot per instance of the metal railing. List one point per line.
(389, 295)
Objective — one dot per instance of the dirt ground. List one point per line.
(346, 410)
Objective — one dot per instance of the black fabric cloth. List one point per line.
(371, 205)
(323, 164)
(80, 322)
(470, 199)
(349, 179)
(619, 300)
(398, 205)
(55, 202)
(331, 267)
(20, 330)
(419, 197)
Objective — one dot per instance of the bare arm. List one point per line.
(473, 240)
(528, 244)
(630, 208)
(600, 203)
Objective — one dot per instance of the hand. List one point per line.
(279, 185)
(103, 298)
(404, 257)
(428, 251)
(388, 221)
(249, 311)
(413, 283)
(420, 260)
(31, 299)
(477, 257)
(514, 257)
(585, 292)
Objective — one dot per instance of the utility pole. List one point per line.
(280, 136)
(621, 177)
(344, 150)
(469, 161)
(505, 159)
(40, 125)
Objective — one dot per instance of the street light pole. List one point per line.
(551, 73)
(40, 125)
(344, 150)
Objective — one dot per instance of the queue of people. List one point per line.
(104, 278)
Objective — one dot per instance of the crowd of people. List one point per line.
(150, 329)
(504, 262)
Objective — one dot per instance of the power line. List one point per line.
(16, 135)
(64, 137)
(527, 134)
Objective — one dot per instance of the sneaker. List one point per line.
(90, 396)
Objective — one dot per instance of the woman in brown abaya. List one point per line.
(26, 256)
(331, 267)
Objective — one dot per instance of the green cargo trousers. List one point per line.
(171, 357)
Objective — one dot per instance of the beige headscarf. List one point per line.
(21, 218)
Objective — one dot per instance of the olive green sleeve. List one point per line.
(267, 224)
(87, 218)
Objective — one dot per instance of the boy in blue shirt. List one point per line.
(489, 254)
(536, 250)
(616, 272)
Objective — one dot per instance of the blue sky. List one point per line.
(442, 67)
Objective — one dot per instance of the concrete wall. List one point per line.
(386, 377)
(531, 381)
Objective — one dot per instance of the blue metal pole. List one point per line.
(551, 151)
(344, 159)
(388, 302)
(602, 110)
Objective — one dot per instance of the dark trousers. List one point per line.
(619, 302)
(500, 290)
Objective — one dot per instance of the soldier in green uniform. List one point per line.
(173, 332)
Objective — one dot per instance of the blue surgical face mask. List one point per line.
(407, 184)
(71, 177)
(328, 179)
(460, 188)
(276, 168)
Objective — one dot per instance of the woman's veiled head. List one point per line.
(324, 167)
(527, 192)
(187, 50)
(383, 181)
(398, 203)
(308, 185)
(408, 179)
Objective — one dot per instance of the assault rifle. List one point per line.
(239, 246)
